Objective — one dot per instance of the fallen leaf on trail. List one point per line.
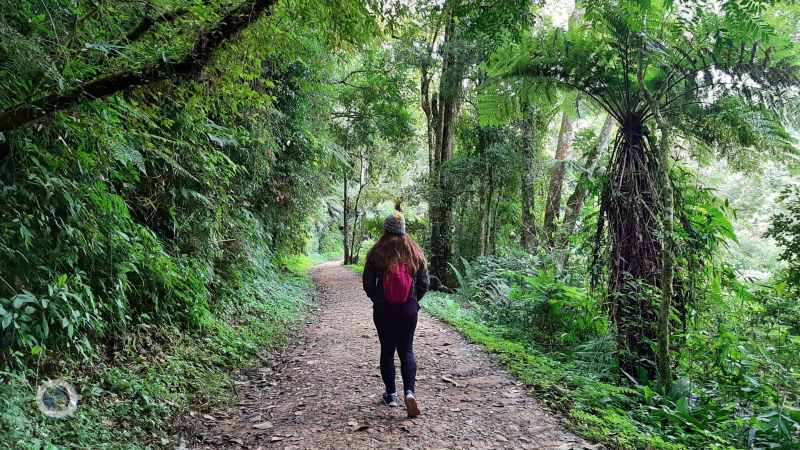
(209, 417)
(501, 438)
(360, 428)
(275, 439)
(450, 380)
(263, 425)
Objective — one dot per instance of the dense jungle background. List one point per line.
(608, 191)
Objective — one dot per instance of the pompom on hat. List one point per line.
(395, 223)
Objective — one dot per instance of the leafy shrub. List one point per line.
(510, 291)
(738, 383)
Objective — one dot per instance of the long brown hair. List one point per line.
(393, 248)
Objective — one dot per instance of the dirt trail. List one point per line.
(326, 393)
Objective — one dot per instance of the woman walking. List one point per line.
(395, 279)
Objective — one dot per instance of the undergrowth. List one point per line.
(133, 398)
(357, 268)
(597, 410)
(736, 385)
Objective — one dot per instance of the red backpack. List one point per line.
(397, 281)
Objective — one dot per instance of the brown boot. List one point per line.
(412, 407)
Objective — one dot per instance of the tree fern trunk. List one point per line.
(630, 205)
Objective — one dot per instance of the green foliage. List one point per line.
(737, 384)
(156, 234)
(531, 305)
(159, 372)
(564, 314)
(138, 231)
(137, 209)
(299, 264)
(720, 77)
(786, 231)
(373, 126)
(596, 409)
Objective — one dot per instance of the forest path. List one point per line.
(324, 392)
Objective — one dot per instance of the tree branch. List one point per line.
(191, 64)
(148, 22)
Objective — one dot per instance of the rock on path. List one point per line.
(326, 394)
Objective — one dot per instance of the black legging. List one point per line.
(396, 332)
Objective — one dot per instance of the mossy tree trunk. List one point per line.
(553, 204)
(445, 111)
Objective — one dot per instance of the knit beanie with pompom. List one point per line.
(395, 222)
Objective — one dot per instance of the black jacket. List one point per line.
(371, 279)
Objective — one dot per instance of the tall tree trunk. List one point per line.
(484, 195)
(492, 206)
(578, 197)
(663, 147)
(527, 232)
(663, 363)
(355, 240)
(630, 204)
(551, 213)
(534, 129)
(483, 214)
(459, 242)
(345, 222)
(494, 199)
(427, 108)
(441, 213)
(486, 212)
